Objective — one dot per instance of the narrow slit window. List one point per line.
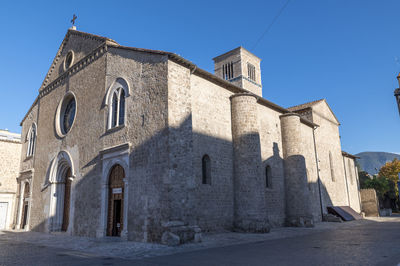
(206, 170)
(114, 110)
(268, 177)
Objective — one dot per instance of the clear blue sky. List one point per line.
(341, 50)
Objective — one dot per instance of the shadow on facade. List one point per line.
(163, 184)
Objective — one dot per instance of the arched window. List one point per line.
(331, 167)
(206, 169)
(31, 137)
(117, 110)
(114, 107)
(268, 177)
(115, 100)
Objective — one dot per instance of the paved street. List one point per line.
(368, 242)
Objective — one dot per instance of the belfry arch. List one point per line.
(60, 180)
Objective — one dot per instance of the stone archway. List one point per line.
(61, 176)
(115, 201)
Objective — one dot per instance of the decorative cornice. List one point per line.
(62, 46)
(121, 147)
(251, 81)
(11, 140)
(27, 171)
(53, 65)
(90, 36)
(349, 155)
(244, 94)
(289, 114)
(78, 66)
(243, 77)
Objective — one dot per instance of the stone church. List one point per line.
(144, 145)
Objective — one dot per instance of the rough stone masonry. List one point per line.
(199, 152)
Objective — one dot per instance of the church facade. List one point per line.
(144, 145)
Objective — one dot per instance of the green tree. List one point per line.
(364, 177)
(381, 185)
(391, 171)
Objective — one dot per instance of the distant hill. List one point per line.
(371, 162)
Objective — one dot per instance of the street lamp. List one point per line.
(397, 93)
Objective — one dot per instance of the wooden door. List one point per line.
(67, 201)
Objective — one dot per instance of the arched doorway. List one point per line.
(61, 199)
(60, 176)
(115, 201)
(25, 207)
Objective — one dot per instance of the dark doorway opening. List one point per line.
(25, 214)
(115, 201)
(26, 205)
(67, 200)
(117, 218)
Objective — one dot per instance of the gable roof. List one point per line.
(346, 154)
(304, 105)
(172, 56)
(310, 105)
(60, 49)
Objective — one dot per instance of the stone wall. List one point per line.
(307, 133)
(369, 202)
(9, 165)
(212, 135)
(86, 44)
(240, 58)
(271, 155)
(146, 131)
(26, 162)
(250, 212)
(248, 84)
(88, 87)
(333, 184)
(352, 183)
(10, 153)
(298, 198)
(174, 116)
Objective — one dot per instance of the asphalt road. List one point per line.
(375, 243)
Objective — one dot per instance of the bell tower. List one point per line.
(240, 67)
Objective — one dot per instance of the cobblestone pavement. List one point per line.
(373, 241)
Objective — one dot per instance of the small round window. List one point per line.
(69, 59)
(66, 112)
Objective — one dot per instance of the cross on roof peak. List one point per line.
(74, 17)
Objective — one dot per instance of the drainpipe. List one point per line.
(345, 178)
(319, 179)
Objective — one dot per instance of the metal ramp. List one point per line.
(344, 212)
